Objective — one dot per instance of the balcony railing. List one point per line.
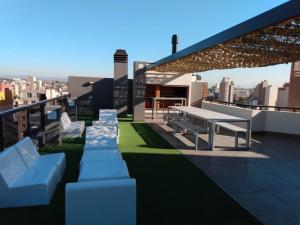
(257, 107)
(40, 121)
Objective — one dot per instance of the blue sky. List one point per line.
(79, 37)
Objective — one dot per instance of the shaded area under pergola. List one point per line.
(270, 38)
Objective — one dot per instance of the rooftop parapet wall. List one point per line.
(262, 120)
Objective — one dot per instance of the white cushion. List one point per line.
(95, 132)
(28, 151)
(12, 166)
(36, 175)
(65, 120)
(101, 143)
(98, 156)
(31, 157)
(103, 170)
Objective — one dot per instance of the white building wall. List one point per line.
(283, 98)
(262, 120)
(196, 91)
(271, 96)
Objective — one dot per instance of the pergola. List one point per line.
(270, 38)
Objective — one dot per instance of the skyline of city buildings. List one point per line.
(29, 90)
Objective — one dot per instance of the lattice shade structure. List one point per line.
(268, 39)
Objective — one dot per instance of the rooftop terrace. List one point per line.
(171, 190)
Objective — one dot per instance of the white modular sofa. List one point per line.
(29, 153)
(107, 202)
(71, 129)
(22, 184)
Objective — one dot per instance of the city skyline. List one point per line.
(68, 39)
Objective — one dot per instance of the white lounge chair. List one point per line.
(21, 185)
(31, 157)
(71, 129)
(109, 202)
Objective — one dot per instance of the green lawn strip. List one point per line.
(170, 189)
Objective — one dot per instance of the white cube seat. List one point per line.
(21, 185)
(94, 132)
(98, 138)
(103, 170)
(108, 112)
(102, 143)
(98, 156)
(106, 123)
(109, 202)
(32, 158)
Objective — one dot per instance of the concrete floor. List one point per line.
(265, 180)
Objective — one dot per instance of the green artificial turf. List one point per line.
(170, 189)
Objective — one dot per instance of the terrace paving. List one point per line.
(265, 180)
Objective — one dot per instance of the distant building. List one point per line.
(6, 97)
(33, 96)
(226, 90)
(258, 96)
(241, 93)
(214, 91)
(294, 88)
(271, 96)
(283, 95)
(30, 92)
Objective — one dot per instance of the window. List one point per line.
(32, 102)
(29, 95)
(38, 95)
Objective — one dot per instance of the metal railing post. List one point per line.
(43, 118)
(2, 133)
(28, 133)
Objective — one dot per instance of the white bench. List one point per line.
(22, 184)
(71, 129)
(196, 130)
(236, 129)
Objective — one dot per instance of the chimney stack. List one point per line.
(174, 43)
(120, 85)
